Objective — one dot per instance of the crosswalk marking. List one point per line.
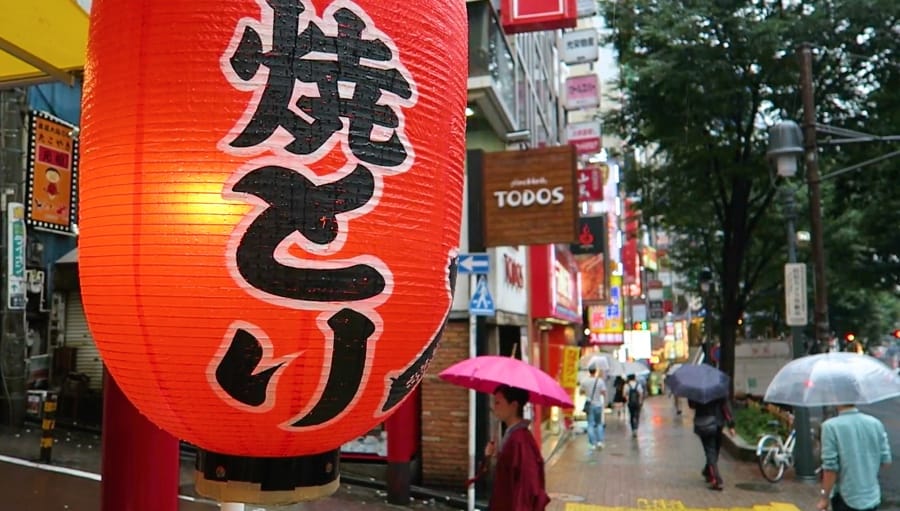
(675, 505)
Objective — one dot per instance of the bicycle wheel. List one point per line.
(770, 453)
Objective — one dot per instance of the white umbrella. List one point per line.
(626, 368)
(831, 379)
(599, 360)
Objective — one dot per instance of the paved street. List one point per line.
(660, 470)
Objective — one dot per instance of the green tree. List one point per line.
(700, 81)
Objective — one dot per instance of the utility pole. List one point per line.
(822, 329)
(12, 321)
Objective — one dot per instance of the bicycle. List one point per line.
(775, 455)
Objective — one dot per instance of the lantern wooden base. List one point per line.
(267, 481)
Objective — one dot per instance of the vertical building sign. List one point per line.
(15, 256)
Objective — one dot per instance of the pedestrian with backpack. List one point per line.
(634, 398)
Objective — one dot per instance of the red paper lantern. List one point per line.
(270, 208)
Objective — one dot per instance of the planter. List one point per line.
(738, 448)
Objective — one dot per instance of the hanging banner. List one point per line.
(52, 173)
(582, 92)
(569, 376)
(591, 180)
(580, 46)
(15, 256)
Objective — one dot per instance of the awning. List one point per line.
(43, 40)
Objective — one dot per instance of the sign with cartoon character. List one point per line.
(271, 215)
(52, 173)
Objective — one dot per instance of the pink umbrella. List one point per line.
(485, 373)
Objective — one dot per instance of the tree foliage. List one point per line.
(700, 82)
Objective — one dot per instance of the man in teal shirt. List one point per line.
(854, 447)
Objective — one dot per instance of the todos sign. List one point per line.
(522, 194)
(530, 197)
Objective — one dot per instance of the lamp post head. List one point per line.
(785, 146)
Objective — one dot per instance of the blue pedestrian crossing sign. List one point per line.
(481, 304)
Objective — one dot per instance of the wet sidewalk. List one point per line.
(660, 471)
(71, 483)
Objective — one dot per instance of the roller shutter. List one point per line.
(79, 336)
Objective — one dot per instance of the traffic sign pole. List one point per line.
(473, 352)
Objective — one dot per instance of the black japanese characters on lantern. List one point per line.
(287, 64)
(295, 205)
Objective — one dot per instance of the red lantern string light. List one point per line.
(270, 208)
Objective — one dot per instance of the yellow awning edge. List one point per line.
(41, 41)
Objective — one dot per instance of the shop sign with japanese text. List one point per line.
(590, 182)
(52, 174)
(582, 92)
(607, 319)
(580, 46)
(585, 136)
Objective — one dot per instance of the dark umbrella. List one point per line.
(699, 382)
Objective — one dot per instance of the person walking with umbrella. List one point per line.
(519, 475)
(707, 390)
(519, 480)
(854, 448)
(854, 445)
(709, 420)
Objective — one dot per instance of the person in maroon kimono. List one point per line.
(519, 472)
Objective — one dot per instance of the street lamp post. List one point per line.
(785, 143)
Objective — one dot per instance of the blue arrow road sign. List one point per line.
(481, 304)
(477, 264)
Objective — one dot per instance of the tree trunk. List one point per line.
(734, 249)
